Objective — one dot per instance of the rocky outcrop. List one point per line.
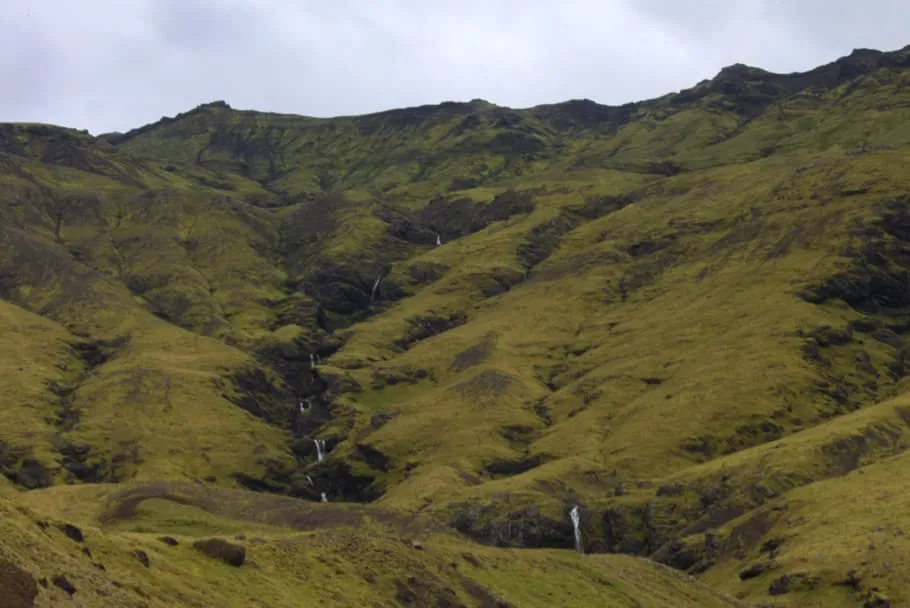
(524, 528)
(230, 553)
(460, 217)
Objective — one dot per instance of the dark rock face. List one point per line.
(679, 555)
(18, 588)
(507, 468)
(32, 474)
(405, 228)
(545, 238)
(460, 217)
(346, 485)
(373, 457)
(381, 419)
(877, 278)
(412, 117)
(630, 530)
(74, 461)
(748, 91)
(256, 394)
(82, 464)
(18, 467)
(673, 489)
(63, 583)
(779, 586)
(526, 528)
(580, 114)
(753, 571)
(291, 361)
(344, 291)
(873, 282)
(72, 532)
(334, 477)
(340, 382)
(216, 548)
(787, 583)
(143, 557)
(423, 327)
(426, 272)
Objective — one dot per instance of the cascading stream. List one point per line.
(576, 524)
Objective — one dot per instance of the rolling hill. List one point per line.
(382, 359)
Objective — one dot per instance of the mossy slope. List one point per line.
(149, 558)
(488, 315)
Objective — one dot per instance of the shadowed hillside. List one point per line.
(687, 317)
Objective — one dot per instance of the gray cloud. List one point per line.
(116, 64)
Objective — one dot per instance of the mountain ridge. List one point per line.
(680, 320)
(856, 63)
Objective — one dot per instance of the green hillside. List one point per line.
(687, 317)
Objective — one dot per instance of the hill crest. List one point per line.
(676, 319)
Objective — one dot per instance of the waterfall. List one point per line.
(323, 497)
(312, 361)
(300, 406)
(438, 241)
(576, 523)
(320, 449)
(310, 481)
(375, 287)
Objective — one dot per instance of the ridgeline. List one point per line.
(255, 359)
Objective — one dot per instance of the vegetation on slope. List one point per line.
(162, 545)
(686, 316)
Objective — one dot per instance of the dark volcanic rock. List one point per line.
(257, 394)
(526, 528)
(373, 457)
(679, 555)
(426, 272)
(72, 532)
(748, 91)
(75, 461)
(877, 278)
(143, 557)
(335, 477)
(462, 216)
(753, 571)
(779, 586)
(220, 549)
(32, 474)
(586, 114)
(381, 419)
(63, 583)
(427, 326)
(502, 467)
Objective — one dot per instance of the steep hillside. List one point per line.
(687, 317)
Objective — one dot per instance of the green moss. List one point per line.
(672, 314)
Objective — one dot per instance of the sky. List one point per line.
(113, 65)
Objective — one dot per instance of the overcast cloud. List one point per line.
(109, 65)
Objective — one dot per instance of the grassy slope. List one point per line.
(604, 348)
(305, 556)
